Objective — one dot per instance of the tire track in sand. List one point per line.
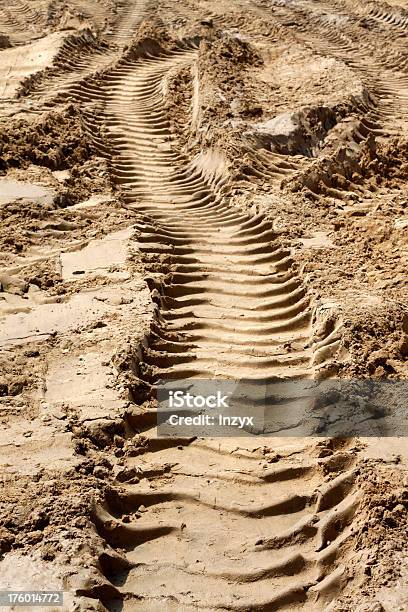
(83, 55)
(211, 524)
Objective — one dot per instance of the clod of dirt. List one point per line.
(4, 42)
(297, 133)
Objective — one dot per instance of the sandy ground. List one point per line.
(207, 190)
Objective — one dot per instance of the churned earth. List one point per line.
(202, 190)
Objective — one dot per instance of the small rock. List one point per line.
(378, 357)
(128, 475)
(118, 441)
(58, 414)
(380, 372)
(207, 22)
(31, 353)
(403, 345)
(99, 324)
(115, 301)
(100, 472)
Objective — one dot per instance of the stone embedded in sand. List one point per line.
(295, 133)
(281, 126)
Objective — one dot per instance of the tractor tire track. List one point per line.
(84, 55)
(265, 521)
(207, 524)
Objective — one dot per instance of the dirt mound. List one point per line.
(379, 550)
(207, 101)
(224, 66)
(55, 140)
(339, 172)
(376, 340)
(65, 508)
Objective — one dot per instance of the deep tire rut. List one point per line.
(208, 242)
(211, 524)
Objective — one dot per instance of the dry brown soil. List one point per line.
(201, 189)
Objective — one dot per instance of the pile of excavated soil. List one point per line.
(54, 140)
(379, 552)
